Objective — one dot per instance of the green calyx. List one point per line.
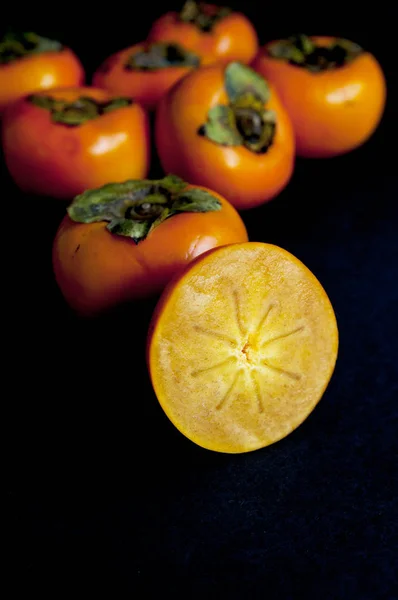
(301, 51)
(15, 46)
(161, 55)
(203, 16)
(244, 121)
(78, 111)
(136, 207)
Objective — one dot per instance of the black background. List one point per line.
(103, 493)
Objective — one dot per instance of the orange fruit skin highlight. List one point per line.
(241, 347)
(51, 159)
(332, 112)
(232, 38)
(146, 87)
(96, 270)
(246, 179)
(39, 72)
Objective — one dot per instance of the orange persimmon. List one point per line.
(216, 33)
(125, 241)
(60, 142)
(145, 71)
(29, 62)
(333, 90)
(241, 347)
(223, 127)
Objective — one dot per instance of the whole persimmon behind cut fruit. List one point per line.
(125, 241)
(241, 347)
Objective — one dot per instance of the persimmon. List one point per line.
(146, 71)
(241, 347)
(333, 90)
(216, 33)
(125, 241)
(58, 143)
(225, 128)
(29, 62)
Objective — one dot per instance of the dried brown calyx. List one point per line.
(161, 55)
(78, 111)
(203, 16)
(301, 51)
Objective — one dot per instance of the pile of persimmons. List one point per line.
(243, 340)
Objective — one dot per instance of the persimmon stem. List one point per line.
(257, 128)
(249, 122)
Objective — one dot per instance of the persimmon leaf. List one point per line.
(241, 80)
(221, 127)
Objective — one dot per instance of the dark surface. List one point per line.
(102, 491)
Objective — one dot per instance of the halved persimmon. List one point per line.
(241, 347)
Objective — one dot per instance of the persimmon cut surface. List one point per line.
(241, 347)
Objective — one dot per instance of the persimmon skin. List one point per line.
(246, 179)
(232, 38)
(97, 270)
(146, 87)
(39, 72)
(332, 112)
(51, 159)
